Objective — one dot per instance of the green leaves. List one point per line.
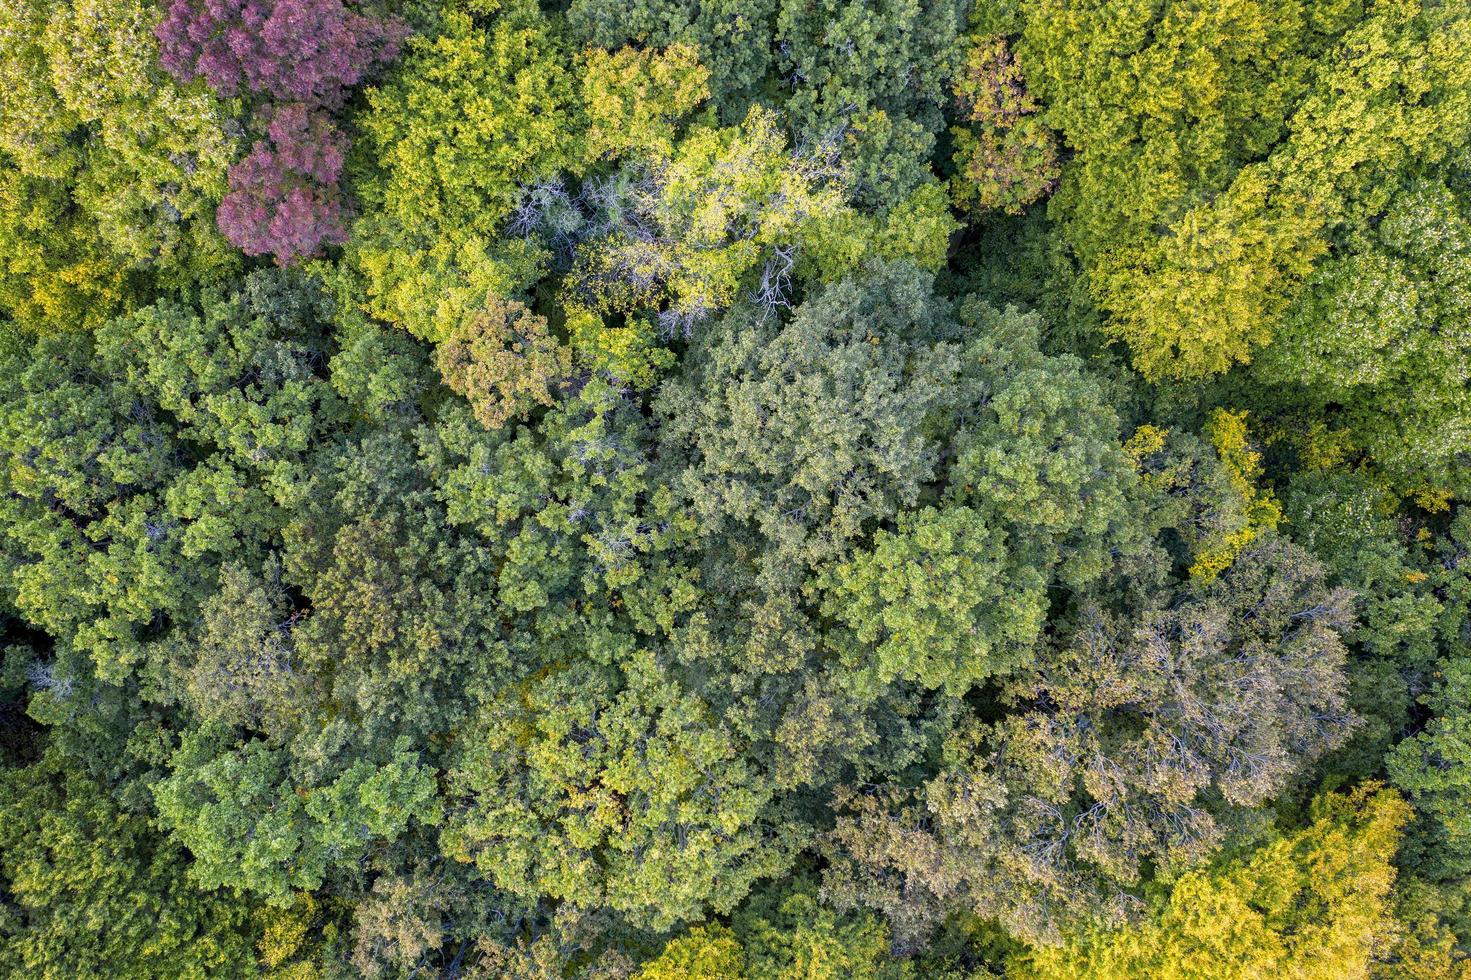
(939, 602)
(624, 794)
(251, 825)
(656, 507)
(109, 172)
(465, 117)
(94, 890)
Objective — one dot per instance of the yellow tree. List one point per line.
(1310, 905)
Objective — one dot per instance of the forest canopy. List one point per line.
(779, 489)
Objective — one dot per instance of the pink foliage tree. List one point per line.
(308, 51)
(284, 200)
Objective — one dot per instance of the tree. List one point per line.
(1131, 745)
(782, 933)
(503, 361)
(1008, 159)
(108, 170)
(240, 371)
(811, 429)
(251, 826)
(1429, 767)
(1230, 159)
(939, 601)
(869, 80)
(1366, 544)
(306, 51)
(1311, 903)
(598, 790)
(735, 214)
(84, 491)
(733, 39)
(1373, 346)
(246, 674)
(465, 119)
(92, 890)
(1036, 493)
(635, 98)
(283, 199)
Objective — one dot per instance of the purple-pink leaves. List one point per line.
(284, 199)
(300, 57)
(307, 51)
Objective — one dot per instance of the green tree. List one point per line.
(620, 793)
(92, 890)
(1374, 345)
(1134, 744)
(251, 826)
(869, 78)
(733, 38)
(464, 119)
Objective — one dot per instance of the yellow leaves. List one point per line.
(1218, 151)
(1436, 500)
(1199, 299)
(634, 98)
(1310, 906)
(1322, 448)
(704, 953)
(1227, 432)
(1146, 441)
(284, 930)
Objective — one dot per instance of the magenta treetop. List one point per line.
(283, 198)
(292, 50)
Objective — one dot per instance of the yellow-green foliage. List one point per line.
(704, 953)
(629, 353)
(287, 934)
(54, 272)
(731, 198)
(1220, 145)
(1243, 466)
(1313, 905)
(634, 98)
(467, 116)
(1146, 441)
(785, 935)
(108, 170)
(730, 194)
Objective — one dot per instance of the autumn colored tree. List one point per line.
(284, 200)
(1314, 903)
(1008, 159)
(503, 361)
(307, 51)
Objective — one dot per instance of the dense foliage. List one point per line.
(735, 488)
